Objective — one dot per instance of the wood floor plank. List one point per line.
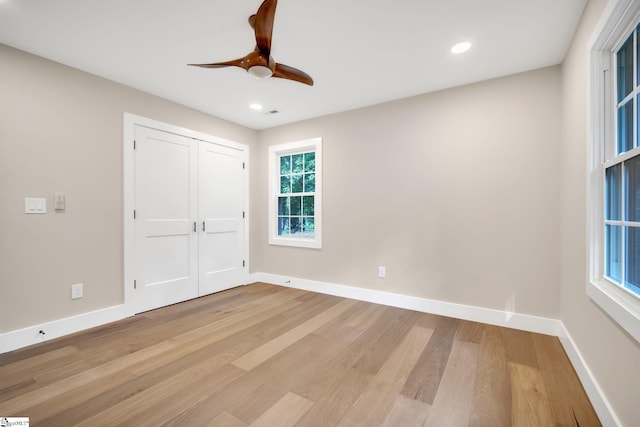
(367, 318)
(274, 368)
(269, 349)
(226, 419)
(322, 359)
(374, 404)
(531, 407)
(453, 401)
(337, 386)
(117, 391)
(285, 413)
(519, 347)
(160, 402)
(407, 412)
(425, 379)
(568, 400)
(492, 395)
(25, 369)
(469, 331)
(256, 402)
(21, 403)
(17, 389)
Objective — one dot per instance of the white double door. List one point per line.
(189, 225)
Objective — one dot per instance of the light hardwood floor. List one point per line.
(263, 355)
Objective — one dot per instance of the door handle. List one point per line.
(203, 227)
(194, 226)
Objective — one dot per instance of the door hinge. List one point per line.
(134, 214)
(243, 263)
(135, 285)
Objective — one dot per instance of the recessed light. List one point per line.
(461, 47)
(255, 107)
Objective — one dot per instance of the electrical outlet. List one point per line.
(77, 291)
(382, 271)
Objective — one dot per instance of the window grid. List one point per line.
(296, 195)
(620, 222)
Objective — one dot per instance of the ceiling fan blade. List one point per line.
(263, 25)
(240, 62)
(285, 72)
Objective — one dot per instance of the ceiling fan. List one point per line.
(259, 63)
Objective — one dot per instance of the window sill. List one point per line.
(621, 306)
(298, 243)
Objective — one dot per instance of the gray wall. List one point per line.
(611, 354)
(61, 131)
(455, 192)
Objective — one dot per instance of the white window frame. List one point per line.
(616, 23)
(275, 151)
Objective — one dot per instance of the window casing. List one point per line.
(614, 175)
(295, 194)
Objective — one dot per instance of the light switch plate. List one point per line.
(35, 205)
(58, 202)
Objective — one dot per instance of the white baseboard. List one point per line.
(598, 399)
(28, 336)
(524, 322)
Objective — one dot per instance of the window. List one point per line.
(622, 175)
(614, 176)
(295, 189)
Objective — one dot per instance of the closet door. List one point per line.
(221, 206)
(166, 210)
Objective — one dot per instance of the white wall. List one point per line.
(61, 131)
(455, 192)
(611, 354)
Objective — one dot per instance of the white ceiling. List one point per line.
(359, 52)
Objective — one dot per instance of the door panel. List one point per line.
(166, 208)
(221, 206)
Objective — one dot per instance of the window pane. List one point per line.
(283, 226)
(308, 207)
(283, 206)
(285, 185)
(632, 273)
(309, 182)
(296, 206)
(632, 181)
(625, 128)
(296, 226)
(285, 165)
(310, 162)
(613, 188)
(625, 69)
(613, 252)
(308, 227)
(296, 183)
(298, 163)
(638, 59)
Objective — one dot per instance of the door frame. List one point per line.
(130, 121)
